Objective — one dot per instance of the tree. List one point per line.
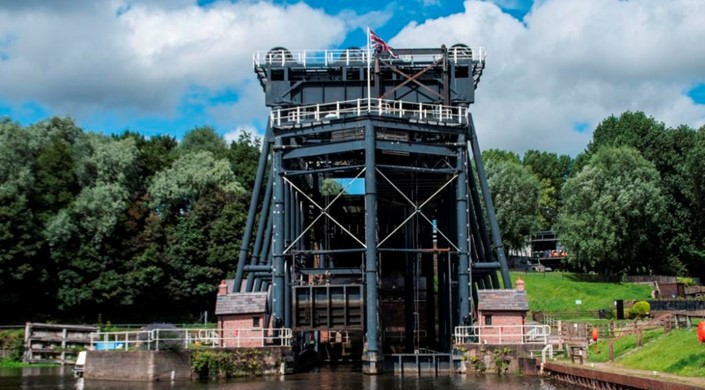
(515, 194)
(552, 171)
(612, 212)
(203, 139)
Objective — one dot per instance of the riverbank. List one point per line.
(601, 375)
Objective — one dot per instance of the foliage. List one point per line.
(501, 360)
(224, 364)
(640, 309)
(515, 194)
(552, 171)
(212, 364)
(478, 364)
(12, 341)
(330, 187)
(612, 213)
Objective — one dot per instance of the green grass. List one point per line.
(621, 346)
(678, 352)
(558, 291)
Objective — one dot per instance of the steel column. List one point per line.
(245, 244)
(264, 218)
(489, 205)
(461, 204)
(278, 236)
(371, 241)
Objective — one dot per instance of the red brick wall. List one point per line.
(232, 327)
(504, 329)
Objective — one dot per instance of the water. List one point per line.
(328, 378)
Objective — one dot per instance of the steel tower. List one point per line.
(376, 216)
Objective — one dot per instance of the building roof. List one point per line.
(502, 300)
(241, 303)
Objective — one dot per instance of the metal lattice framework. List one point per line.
(375, 188)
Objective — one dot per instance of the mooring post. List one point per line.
(371, 360)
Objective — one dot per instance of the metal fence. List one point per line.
(157, 339)
(509, 334)
(422, 112)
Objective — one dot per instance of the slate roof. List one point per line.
(241, 303)
(502, 300)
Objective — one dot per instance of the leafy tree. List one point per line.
(612, 213)
(173, 190)
(552, 171)
(244, 156)
(515, 194)
(500, 155)
(203, 139)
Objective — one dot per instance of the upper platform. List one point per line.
(441, 76)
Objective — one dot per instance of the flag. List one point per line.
(380, 45)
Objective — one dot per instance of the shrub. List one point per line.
(640, 309)
(13, 342)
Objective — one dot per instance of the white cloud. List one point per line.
(569, 63)
(142, 56)
(574, 62)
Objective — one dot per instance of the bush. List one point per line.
(13, 341)
(640, 309)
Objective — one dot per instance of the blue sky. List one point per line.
(167, 66)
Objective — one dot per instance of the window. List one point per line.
(488, 320)
(255, 322)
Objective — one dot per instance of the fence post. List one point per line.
(611, 350)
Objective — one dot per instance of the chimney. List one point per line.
(521, 286)
(222, 288)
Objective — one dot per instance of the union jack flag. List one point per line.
(380, 45)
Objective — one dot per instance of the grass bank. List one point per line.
(558, 291)
(677, 352)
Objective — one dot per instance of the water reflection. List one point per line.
(327, 378)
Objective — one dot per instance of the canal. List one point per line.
(329, 377)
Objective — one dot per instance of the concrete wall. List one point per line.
(137, 365)
(159, 365)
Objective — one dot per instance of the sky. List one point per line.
(555, 68)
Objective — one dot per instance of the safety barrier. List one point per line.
(188, 338)
(352, 56)
(509, 334)
(422, 112)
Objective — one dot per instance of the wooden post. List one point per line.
(611, 350)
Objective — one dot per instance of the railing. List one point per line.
(391, 108)
(509, 334)
(324, 58)
(188, 338)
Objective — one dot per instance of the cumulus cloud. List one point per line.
(142, 56)
(574, 62)
(567, 65)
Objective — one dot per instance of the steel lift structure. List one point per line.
(376, 217)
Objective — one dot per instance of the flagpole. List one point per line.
(369, 81)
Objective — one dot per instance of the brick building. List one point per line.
(502, 314)
(242, 320)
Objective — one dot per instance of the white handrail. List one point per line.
(325, 58)
(435, 113)
(187, 338)
(502, 334)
